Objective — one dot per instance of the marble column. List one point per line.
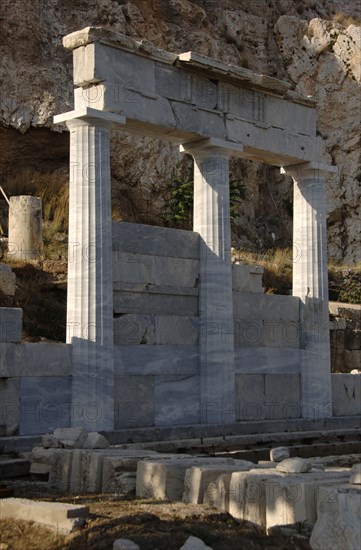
(90, 288)
(310, 284)
(211, 219)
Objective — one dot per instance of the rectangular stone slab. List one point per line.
(60, 516)
(164, 480)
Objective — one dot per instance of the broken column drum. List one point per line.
(25, 228)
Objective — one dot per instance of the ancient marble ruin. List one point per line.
(163, 332)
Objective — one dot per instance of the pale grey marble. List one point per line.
(268, 307)
(35, 359)
(146, 360)
(10, 405)
(261, 360)
(150, 302)
(45, 404)
(154, 241)
(133, 401)
(268, 333)
(176, 400)
(246, 278)
(10, 324)
(346, 394)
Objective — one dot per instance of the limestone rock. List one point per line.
(95, 440)
(71, 438)
(356, 474)
(125, 544)
(7, 280)
(294, 466)
(279, 453)
(193, 543)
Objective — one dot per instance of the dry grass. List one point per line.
(277, 264)
(346, 20)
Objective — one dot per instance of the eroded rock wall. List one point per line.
(306, 42)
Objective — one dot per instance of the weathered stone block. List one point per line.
(267, 307)
(133, 401)
(133, 268)
(133, 329)
(198, 478)
(176, 400)
(294, 466)
(10, 324)
(194, 543)
(155, 241)
(10, 405)
(45, 404)
(125, 544)
(338, 519)
(60, 516)
(71, 438)
(217, 493)
(60, 470)
(178, 272)
(353, 340)
(282, 396)
(7, 280)
(40, 359)
(346, 394)
(279, 453)
(160, 303)
(176, 330)
(151, 360)
(247, 278)
(250, 397)
(95, 440)
(164, 479)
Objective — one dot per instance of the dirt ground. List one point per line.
(151, 524)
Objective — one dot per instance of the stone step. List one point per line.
(263, 428)
(13, 467)
(5, 492)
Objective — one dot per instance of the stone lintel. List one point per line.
(88, 112)
(309, 169)
(212, 146)
(186, 60)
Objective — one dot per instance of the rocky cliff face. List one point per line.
(315, 45)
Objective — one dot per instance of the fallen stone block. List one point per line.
(71, 438)
(39, 469)
(125, 544)
(44, 456)
(50, 442)
(217, 493)
(60, 470)
(10, 324)
(164, 479)
(193, 543)
(198, 478)
(294, 466)
(355, 478)
(55, 515)
(279, 453)
(338, 519)
(95, 440)
(293, 499)
(119, 472)
(247, 494)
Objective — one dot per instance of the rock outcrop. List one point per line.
(307, 43)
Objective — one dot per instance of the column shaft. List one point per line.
(90, 291)
(310, 283)
(216, 339)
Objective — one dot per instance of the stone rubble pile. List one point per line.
(316, 492)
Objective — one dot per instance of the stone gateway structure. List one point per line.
(219, 353)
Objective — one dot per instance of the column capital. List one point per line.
(89, 115)
(212, 146)
(309, 170)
